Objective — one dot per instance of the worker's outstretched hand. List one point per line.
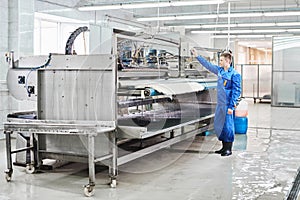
(194, 52)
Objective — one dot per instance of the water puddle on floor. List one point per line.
(266, 163)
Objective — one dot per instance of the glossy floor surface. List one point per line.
(263, 166)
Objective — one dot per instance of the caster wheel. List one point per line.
(113, 183)
(30, 169)
(88, 190)
(8, 177)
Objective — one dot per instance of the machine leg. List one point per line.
(182, 130)
(89, 188)
(9, 170)
(172, 134)
(113, 167)
(37, 160)
(141, 143)
(30, 162)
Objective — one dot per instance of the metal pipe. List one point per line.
(228, 39)
(21, 149)
(11, 59)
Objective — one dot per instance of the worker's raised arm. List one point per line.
(213, 68)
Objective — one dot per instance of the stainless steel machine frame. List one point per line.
(68, 128)
(97, 125)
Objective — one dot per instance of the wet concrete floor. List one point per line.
(263, 166)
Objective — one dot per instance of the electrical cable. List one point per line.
(33, 69)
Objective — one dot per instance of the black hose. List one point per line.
(71, 39)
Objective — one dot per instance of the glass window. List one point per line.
(51, 35)
(286, 71)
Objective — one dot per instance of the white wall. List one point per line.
(3, 37)
(51, 35)
(16, 33)
(4, 97)
(21, 26)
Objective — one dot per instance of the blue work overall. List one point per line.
(228, 92)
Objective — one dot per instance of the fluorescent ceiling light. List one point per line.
(159, 18)
(277, 24)
(149, 5)
(242, 36)
(258, 14)
(218, 26)
(248, 31)
(181, 17)
(293, 30)
(106, 7)
(270, 31)
(194, 3)
(256, 25)
(232, 15)
(288, 24)
(281, 14)
(144, 5)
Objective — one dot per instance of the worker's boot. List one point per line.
(221, 150)
(227, 149)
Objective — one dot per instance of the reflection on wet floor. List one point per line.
(267, 165)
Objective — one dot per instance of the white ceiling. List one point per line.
(236, 6)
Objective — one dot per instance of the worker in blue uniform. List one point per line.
(228, 92)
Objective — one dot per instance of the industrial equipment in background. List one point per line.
(107, 108)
